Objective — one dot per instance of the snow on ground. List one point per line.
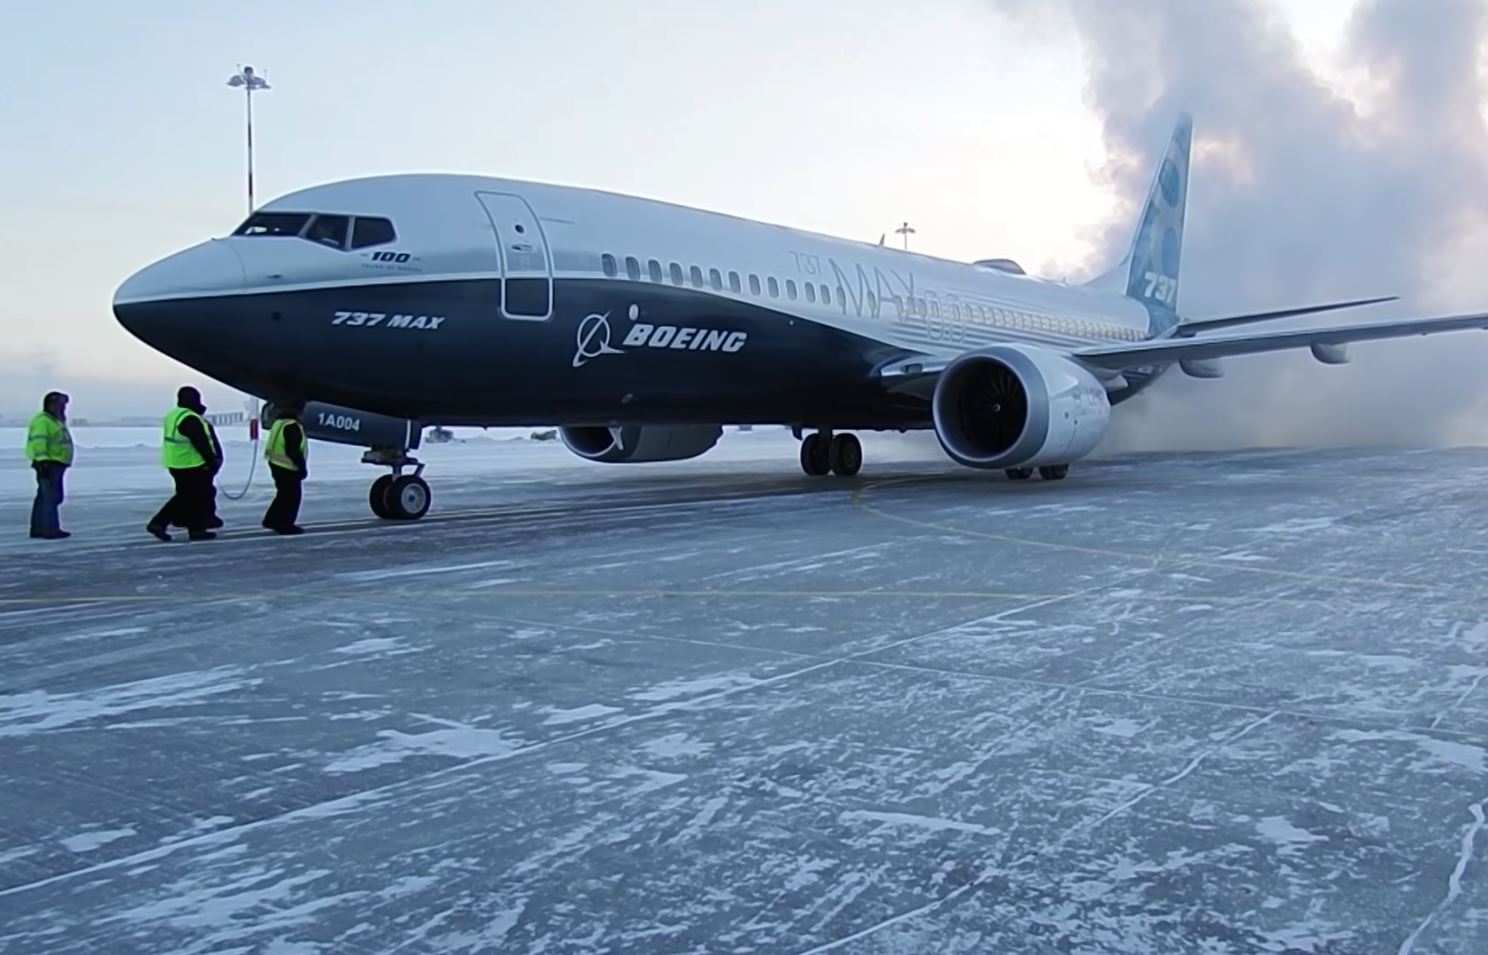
(1217, 703)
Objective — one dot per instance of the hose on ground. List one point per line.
(252, 462)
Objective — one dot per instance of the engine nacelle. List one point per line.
(343, 425)
(638, 444)
(1017, 406)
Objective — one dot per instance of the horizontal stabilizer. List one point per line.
(1213, 324)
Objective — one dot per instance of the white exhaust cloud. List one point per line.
(1302, 194)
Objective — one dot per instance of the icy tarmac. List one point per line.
(1209, 704)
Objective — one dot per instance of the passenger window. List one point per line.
(734, 285)
(608, 262)
(810, 292)
(632, 268)
(715, 279)
(934, 308)
(654, 267)
(329, 230)
(365, 232)
(696, 274)
(754, 286)
(274, 224)
(676, 274)
(790, 289)
(774, 288)
(872, 302)
(841, 296)
(826, 295)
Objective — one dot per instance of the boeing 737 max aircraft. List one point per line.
(641, 328)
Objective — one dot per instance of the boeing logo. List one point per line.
(594, 336)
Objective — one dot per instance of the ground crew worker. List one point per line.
(186, 451)
(213, 521)
(49, 449)
(286, 451)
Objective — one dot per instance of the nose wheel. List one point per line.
(399, 496)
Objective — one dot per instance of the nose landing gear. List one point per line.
(398, 496)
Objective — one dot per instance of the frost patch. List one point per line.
(591, 712)
(377, 645)
(675, 746)
(461, 742)
(1123, 728)
(1298, 525)
(96, 839)
(22, 714)
(904, 819)
(681, 689)
(1464, 755)
(1288, 837)
(422, 571)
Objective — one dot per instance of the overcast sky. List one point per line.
(997, 127)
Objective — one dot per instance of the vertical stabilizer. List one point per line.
(1149, 272)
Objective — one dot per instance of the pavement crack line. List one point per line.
(1454, 881)
(1460, 700)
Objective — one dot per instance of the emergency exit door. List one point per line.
(526, 265)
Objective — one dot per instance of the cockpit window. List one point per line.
(371, 232)
(329, 230)
(274, 223)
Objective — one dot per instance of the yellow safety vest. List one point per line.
(177, 451)
(48, 439)
(277, 448)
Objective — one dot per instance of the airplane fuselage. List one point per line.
(497, 302)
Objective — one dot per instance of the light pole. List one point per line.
(905, 230)
(249, 81)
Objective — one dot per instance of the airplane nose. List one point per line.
(213, 266)
(143, 303)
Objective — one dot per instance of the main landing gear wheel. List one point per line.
(816, 456)
(377, 497)
(846, 455)
(1054, 472)
(1019, 474)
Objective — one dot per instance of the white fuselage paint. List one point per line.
(904, 299)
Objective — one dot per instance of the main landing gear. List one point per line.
(1053, 472)
(823, 453)
(398, 496)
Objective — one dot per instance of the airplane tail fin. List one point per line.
(1149, 272)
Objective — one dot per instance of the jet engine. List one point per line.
(343, 425)
(636, 444)
(1018, 406)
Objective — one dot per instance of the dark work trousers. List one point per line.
(44, 516)
(191, 504)
(284, 510)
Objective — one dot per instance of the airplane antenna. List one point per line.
(249, 81)
(905, 230)
(881, 237)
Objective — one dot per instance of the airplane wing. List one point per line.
(1106, 361)
(1195, 326)
(1325, 342)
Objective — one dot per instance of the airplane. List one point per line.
(641, 328)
